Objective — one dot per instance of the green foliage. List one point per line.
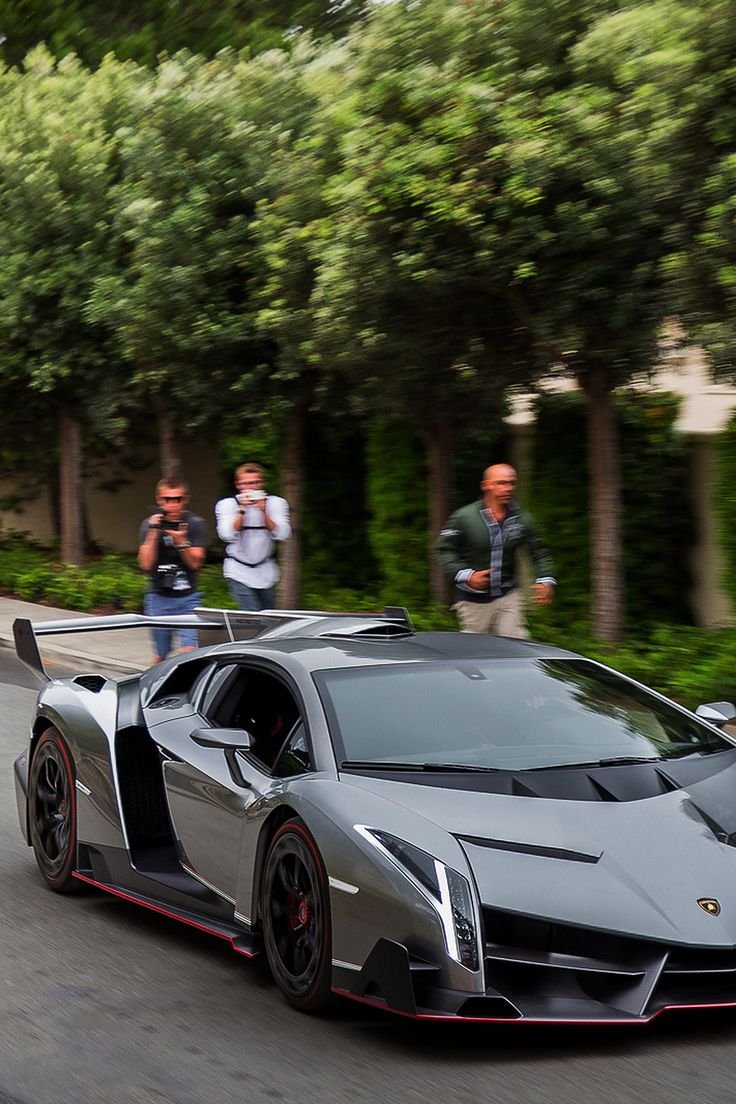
(176, 298)
(337, 551)
(476, 449)
(262, 446)
(556, 492)
(725, 503)
(143, 29)
(658, 515)
(56, 155)
(411, 291)
(657, 518)
(688, 664)
(396, 493)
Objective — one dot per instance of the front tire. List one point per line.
(297, 928)
(52, 812)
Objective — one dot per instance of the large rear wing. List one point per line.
(216, 626)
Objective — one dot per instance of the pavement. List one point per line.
(117, 652)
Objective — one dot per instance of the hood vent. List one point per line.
(531, 849)
(603, 793)
(668, 783)
(714, 775)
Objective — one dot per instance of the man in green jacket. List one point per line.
(479, 547)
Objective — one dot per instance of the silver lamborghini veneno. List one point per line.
(443, 825)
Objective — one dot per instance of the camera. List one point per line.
(166, 575)
(166, 523)
(252, 496)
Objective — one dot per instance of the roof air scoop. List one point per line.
(373, 630)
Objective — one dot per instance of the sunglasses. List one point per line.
(172, 498)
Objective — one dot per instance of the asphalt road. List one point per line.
(103, 1002)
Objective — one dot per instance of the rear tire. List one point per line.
(52, 812)
(297, 927)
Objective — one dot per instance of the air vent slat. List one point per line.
(555, 961)
(90, 682)
(603, 793)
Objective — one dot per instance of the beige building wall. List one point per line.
(114, 516)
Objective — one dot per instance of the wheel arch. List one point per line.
(40, 725)
(270, 827)
(61, 880)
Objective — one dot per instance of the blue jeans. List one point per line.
(252, 599)
(162, 605)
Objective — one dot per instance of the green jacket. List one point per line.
(465, 545)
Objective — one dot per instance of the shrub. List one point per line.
(658, 533)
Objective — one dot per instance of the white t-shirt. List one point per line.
(249, 553)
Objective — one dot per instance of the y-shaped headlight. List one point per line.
(446, 889)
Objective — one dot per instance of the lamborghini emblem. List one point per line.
(709, 905)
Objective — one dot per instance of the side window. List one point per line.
(252, 699)
(294, 757)
(214, 691)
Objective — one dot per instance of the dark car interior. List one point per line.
(256, 701)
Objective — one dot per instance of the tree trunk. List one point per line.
(606, 561)
(292, 483)
(70, 487)
(438, 442)
(168, 444)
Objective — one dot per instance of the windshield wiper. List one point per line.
(611, 761)
(369, 764)
(622, 760)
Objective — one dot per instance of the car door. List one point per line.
(219, 795)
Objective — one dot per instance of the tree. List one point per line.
(56, 167)
(586, 288)
(177, 298)
(414, 264)
(594, 293)
(290, 95)
(142, 30)
(692, 149)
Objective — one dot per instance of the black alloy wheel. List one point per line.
(52, 812)
(297, 930)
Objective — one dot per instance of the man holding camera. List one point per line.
(251, 523)
(172, 548)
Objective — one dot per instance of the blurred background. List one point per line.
(378, 247)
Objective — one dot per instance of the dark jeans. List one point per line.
(252, 599)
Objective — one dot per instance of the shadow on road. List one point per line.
(436, 1042)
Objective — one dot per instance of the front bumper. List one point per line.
(634, 983)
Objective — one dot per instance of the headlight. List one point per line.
(446, 889)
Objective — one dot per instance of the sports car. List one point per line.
(447, 826)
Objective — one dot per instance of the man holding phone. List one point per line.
(251, 523)
(172, 548)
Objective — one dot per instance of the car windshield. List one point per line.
(503, 715)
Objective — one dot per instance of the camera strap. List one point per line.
(246, 563)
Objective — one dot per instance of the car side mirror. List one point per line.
(233, 739)
(717, 713)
